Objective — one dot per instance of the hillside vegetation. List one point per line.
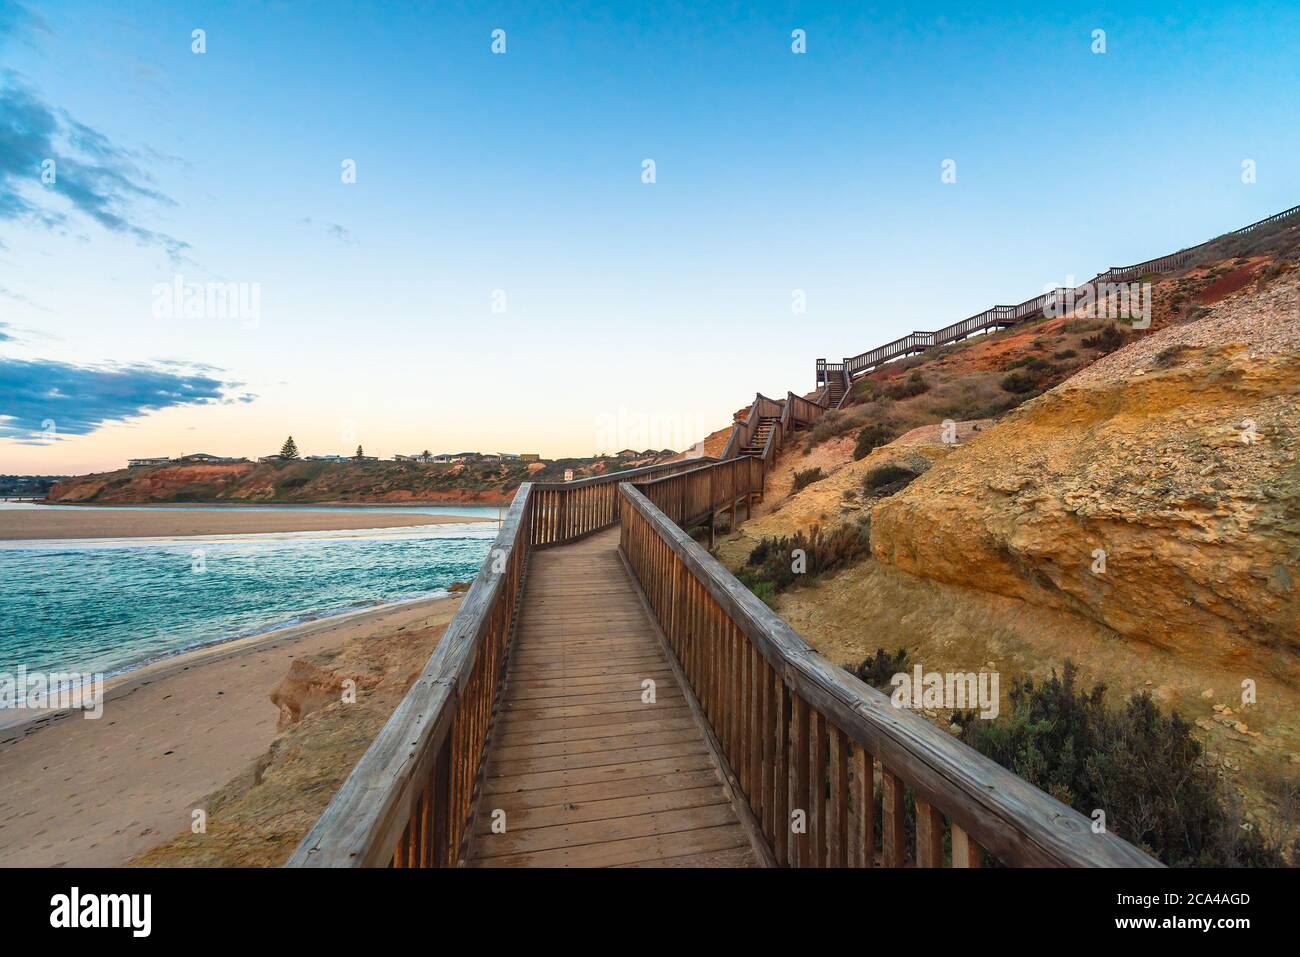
(393, 483)
(1128, 500)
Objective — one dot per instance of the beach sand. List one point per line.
(37, 523)
(96, 793)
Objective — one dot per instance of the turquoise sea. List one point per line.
(107, 606)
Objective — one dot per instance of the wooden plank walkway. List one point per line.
(587, 773)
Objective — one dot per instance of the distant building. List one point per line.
(490, 457)
(270, 458)
(508, 456)
(530, 457)
(140, 463)
(328, 458)
(442, 459)
(628, 454)
(414, 458)
(206, 458)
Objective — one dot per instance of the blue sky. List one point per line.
(635, 313)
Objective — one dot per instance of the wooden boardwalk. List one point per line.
(586, 772)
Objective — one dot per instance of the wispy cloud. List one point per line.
(6, 293)
(99, 179)
(21, 22)
(80, 399)
(333, 230)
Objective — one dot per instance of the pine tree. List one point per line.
(289, 450)
(359, 453)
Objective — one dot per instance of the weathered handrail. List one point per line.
(408, 800)
(563, 512)
(743, 431)
(802, 737)
(997, 317)
(693, 496)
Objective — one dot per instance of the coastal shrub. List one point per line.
(1081, 325)
(888, 479)
(1030, 362)
(877, 669)
(829, 426)
(901, 388)
(866, 389)
(872, 437)
(802, 479)
(1065, 354)
(1143, 767)
(773, 559)
(763, 589)
(1019, 382)
(1106, 341)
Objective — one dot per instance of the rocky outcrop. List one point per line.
(1156, 493)
(257, 819)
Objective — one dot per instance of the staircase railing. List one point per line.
(742, 432)
(997, 317)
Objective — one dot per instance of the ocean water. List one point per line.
(108, 606)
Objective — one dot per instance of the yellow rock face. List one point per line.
(1157, 493)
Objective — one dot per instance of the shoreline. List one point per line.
(160, 668)
(225, 503)
(92, 523)
(172, 732)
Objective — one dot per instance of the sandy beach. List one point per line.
(98, 792)
(82, 523)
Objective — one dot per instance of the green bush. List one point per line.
(887, 479)
(772, 560)
(802, 479)
(1143, 768)
(829, 426)
(1064, 354)
(1019, 383)
(872, 437)
(901, 388)
(1108, 340)
(866, 389)
(879, 668)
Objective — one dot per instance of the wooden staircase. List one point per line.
(835, 391)
(759, 441)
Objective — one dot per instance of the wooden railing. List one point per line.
(997, 317)
(807, 745)
(743, 431)
(695, 497)
(563, 512)
(800, 411)
(409, 800)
